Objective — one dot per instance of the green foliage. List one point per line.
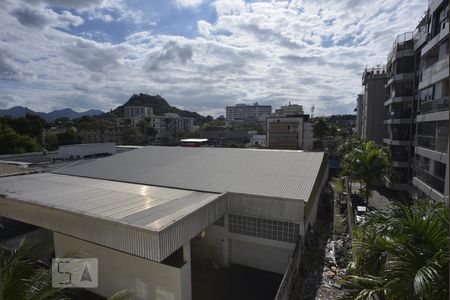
(30, 125)
(159, 105)
(51, 142)
(23, 278)
(320, 129)
(13, 143)
(68, 137)
(366, 163)
(402, 254)
(132, 136)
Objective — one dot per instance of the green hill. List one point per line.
(159, 105)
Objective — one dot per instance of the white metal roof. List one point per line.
(115, 214)
(272, 173)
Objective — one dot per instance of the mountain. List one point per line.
(159, 105)
(20, 111)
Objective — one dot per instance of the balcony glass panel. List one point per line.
(439, 144)
(434, 182)
(440, 104)
(434, 69)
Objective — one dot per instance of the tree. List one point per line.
(402, 254)
(147, 130)
(366, 163)
(12, 143)
(132, 136)
(25, 278)
(68, 137)
(320, 129)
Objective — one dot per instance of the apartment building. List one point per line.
(431, 133)
(169, 127)
(359, 114)
(289, 128)
(415, 109)
(372, 116)
(398, 109)
(244, 111)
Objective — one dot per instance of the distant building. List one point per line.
(289, 128)
(359, 114)
(293, 132)
(138, 112)
(171, 126)
(289, 110)
(257, 140)
(373, 80)
(244, 111)
(106, 135)
(80, 151)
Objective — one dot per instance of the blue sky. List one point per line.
(200, 55)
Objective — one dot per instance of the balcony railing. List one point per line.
(434, 182)
(401, 38)
(434, 69)
(440, 104)
(439, 144)
(398, 114)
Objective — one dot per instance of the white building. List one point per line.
(138, 112)
(244, 111)
(144, 214)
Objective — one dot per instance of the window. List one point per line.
(264, 228)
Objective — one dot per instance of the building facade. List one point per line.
(431, 132)
(244, 111)
(373, 81)
(289, 128)
(294, 132)
(359, 114)
(398, 109)
(415, 109)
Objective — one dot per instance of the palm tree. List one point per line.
(366, 163)
(22, 277)
(402, 254)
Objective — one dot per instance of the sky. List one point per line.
(200, 55)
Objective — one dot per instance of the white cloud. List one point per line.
(307, 52)
(188, 3)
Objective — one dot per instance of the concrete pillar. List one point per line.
(186, 284)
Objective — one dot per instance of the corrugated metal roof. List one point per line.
(150, 207)
(272, 173)
(145, 221)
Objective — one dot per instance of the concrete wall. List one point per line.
(373, 115)
(118, 271)
(263, 254)
(212, 244)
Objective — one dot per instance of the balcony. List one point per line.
(398, 114)
(439, 144)
(434, 182)
(400, 44)
(428, 75)
(440, 104)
